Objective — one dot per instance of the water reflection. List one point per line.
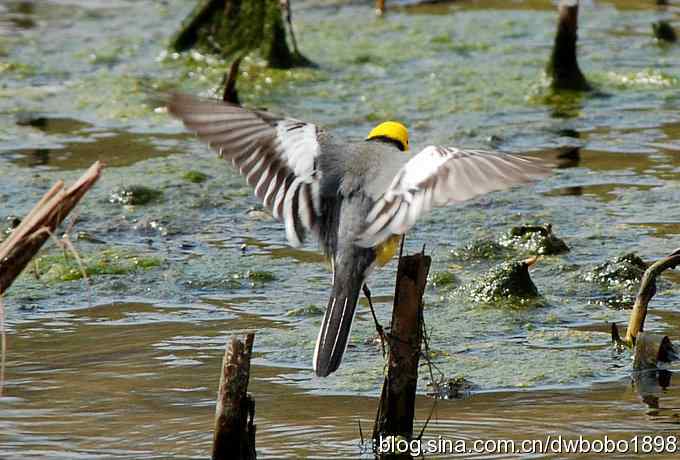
(651, 385)
(118, 148)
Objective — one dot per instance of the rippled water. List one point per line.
(127, 367)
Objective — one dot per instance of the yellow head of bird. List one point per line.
(392, 130)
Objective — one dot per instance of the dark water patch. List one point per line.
(51, 125)
(603, 192)
(115, 149)
(603, 161)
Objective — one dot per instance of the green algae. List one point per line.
(18, 69)
(444, 279)
(195, 177)
(534, 240)
(508, 284)
(260, 276)
(66, 267)
(135, 195)
(522, 240)
(480, 249)
(623, 272)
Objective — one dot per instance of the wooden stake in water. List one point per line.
(234, 436)
(396, 408)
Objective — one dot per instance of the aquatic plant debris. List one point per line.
(533, 239)
(135, 195)
(507, 283)
(480, 249)
(451, 388)
(444, 279)
(624, 272)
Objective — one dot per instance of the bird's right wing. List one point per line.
(438, 176)
(277, 156)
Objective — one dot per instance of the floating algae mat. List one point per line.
(141, 342)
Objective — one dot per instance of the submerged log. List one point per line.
(563, 69)
(26, 240)
(237, 27)
(396, 408)
(234, 436)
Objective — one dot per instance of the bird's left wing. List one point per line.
(277, 155)
(438, 176)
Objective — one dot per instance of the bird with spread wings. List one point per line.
(356, 198)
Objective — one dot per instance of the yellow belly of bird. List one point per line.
(386, 250)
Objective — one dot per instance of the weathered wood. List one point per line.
(563, 69)
(234, 436)
(27, 239)
(396, 408)
(646, 292)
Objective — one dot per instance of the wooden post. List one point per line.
(396, 408)
(563, 67)
(646, 292)
(230, 94)
(379, 7)
(234, 436)
(27, 239)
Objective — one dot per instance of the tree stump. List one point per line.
(237, 27)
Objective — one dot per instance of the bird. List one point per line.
(355, 197)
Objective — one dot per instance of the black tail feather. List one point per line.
(337, 324)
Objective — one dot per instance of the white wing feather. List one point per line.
(439, 176)
(276, 155)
